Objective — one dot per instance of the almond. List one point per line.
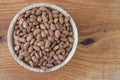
(44, 18)
(37, 31)
(42, 26)
(57, 33)
(43, 34)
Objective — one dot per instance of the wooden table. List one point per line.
(98, 52)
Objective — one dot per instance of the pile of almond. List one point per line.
(43, 37)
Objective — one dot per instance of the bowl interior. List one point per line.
(10, 37)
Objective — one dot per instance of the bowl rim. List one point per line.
(10, 35)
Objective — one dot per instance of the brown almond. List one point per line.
(22, 40)
(67, 24)
(45, 57)
(46, 25)
(30, 36)
(59, 51)
(52, 27)
(16, 42)
(35, 43)
(51, 61)
(55, 20)
(44, 53)
(33, 11)
(65, 32)
(70, 33)
(39, 19)
(25, 24)
(49, 65)
(21, 21)
(28, 29)
(51, 21)
(63, 39)
(44, 63)
(37, 26)
(33, 29)
(30, 49)
(18, 32)
(36, 23)
(37, 55)
(47, 44)
(37, 31)
(44, 18)
(25, 53)
(44, 13)
(57, 33)
(16, 37)
(49, 58)
(26, 45)
(20, 56)
(55, 11)
(40, 43)
(38, 37)
(56, 47)
(60, 57)
(58, 61)
(32, 41)
(61, 20)
(67, 19)
(40, 53)
(52, 53)
(43, 34)
(63, 52)
(33, 18)
(27, 58)
(55, 15)
(42, 26)
(68, 49)
(36, 48)
(70, 39)
(47, 49)
(25, 36)
(31, 63)
(66, 54)
(34, 59)
(50, 38)
(43, 9)
(38, 12)
(60, 15)
(28, 12)
(16, 27)
(46, 31)
(32, 53)
(55, 57)
(54, 43)
(16, 48)
(42, 47)
(51, 32)
(57, 26)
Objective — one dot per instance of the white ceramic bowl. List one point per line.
(10, 37)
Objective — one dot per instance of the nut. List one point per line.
(42, 37)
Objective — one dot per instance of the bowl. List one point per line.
(10, 38)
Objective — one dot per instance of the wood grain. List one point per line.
(97, 20)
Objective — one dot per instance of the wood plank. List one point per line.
(98, 20)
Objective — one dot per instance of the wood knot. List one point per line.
(0, 38)
(87, 41)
